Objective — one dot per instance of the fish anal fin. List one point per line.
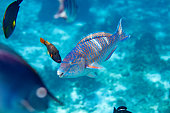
(91, 75)
(111, 53)
(51, 55)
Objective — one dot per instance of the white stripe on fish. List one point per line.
(105, 38)
(97, 43)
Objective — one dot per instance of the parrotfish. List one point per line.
(67, 10)
(9, 20)
(52, 50)
(121, 109)
(90, 52)
(21, 88)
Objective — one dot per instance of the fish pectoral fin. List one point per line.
(13, 24)
(51, 55)
(47, 43)
(48, 52)
(93, 67)
(92, 74)
(111, 53)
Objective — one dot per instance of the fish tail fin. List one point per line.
(19, 1)
(42, 40)
(61, 12)
(120, 33)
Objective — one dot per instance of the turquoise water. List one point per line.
(137, 74)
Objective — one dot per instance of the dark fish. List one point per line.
(67, 10)
(52, 50)
(9, 20)
(121, 109)
(20, 85)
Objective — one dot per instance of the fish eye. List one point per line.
(41, 92)
(71, 63)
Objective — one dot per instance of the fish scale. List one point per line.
(90, 47)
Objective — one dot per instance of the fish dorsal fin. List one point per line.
(111, 53)
(94, 36)
(47, 43)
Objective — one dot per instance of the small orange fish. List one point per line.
(52, 50)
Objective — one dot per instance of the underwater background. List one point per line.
(136, 76)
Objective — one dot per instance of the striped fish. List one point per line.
(67, 10)
(89, 52)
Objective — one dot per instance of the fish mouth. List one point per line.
(60, 74)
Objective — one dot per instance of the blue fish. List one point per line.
(67, 10)
(21, 88)
(9, 20)
(89, 52)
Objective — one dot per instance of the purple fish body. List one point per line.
(91, 50)
(21, 88)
